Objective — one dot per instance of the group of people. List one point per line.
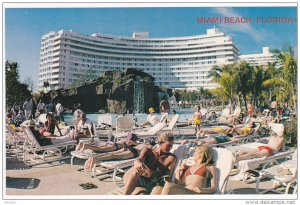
(17, 114)
(154, 165)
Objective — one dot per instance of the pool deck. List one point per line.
(60, 178)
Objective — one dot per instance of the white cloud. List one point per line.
(246, 28)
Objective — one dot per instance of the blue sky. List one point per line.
(25, 27)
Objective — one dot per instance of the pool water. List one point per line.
(184, 114)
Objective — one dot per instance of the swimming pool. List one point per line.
(184, 114)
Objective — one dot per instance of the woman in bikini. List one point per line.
(201, 177)
(275, 144)
(50, 125)
(152, 168)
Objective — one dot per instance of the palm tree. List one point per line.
(285, 78)
(258, 79)
(289, 71)
(226, 90)
(244, 80)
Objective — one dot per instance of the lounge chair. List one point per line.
(124, 125)
(104, 121)
(224, 161)
(47, 148)
(244, 166)
(282, 175)
(164, 117)
(143, 134)
(86, 153)
(172, 124)
(243, 139)
(15, 141)
(226, 115)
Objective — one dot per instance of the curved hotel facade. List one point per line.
(176, 62)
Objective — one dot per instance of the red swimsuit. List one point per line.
(201, 171)
(266, 148)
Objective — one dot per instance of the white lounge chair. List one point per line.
(224, 161)
(280, 179)
(104, 121)
(14, 141)
(53, 148)
(251, 164)
(124, 124)
(224, 116)
(172, 124)
(143, 134)
(164, 117)
(243, 139)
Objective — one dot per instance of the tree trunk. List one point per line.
(294, 101)
(245, 101)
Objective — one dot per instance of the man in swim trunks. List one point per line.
(275, 144)
(152, 168)
(197, 119)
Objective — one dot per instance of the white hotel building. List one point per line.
(260, 58)
(176, 62)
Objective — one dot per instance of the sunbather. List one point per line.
(275, 144)
(50, 125)
(109, 146)
(151, 168)
(242, 131)
(201, 177)
(237, 120)
(84, 129)
(214, 139)
(152, 118)
(121, 154)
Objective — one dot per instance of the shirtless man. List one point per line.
(197, 119)
(275, 144)
(152, 168)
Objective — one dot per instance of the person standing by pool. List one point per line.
(60, 111)
(197, 119)
(41, 107)
(50, 107)
(164, 106)
(15, 109)
(27, 106)
(77, 114)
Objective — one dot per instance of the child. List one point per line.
(197, 119)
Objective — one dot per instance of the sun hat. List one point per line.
(151, 109)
